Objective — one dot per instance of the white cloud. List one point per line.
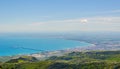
(105, 20)
(108, 12)
(114, 11)
(80, 24)
(83, 20)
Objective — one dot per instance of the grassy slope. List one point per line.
(74, 60)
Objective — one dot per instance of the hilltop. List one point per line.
(73, 60)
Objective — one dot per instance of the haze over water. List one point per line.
(60, 16)
(22, 45)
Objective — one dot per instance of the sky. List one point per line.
(31, 16)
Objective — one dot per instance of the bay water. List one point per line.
(21, 45)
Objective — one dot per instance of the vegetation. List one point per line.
(23, 59)
(73, 60)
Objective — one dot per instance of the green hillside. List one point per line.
(73, 60)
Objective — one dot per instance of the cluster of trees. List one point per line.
(74, 60)
(95, 65)
(23, 59)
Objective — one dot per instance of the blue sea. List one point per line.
(21, 45)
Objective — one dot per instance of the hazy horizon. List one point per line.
(28, 16)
